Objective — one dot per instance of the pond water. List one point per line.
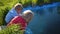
(46, 19)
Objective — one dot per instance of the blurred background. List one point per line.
(46, 14)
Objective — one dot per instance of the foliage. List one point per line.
(47, 1)
(37, 2)
(13, 29)
(5, 6)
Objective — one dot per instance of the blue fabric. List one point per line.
(46, 20)
(28, 31)
(11, 14)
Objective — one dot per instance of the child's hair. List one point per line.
(28, 14)
(18, 5)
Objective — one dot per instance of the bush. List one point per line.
(5, 6)
(13, 29)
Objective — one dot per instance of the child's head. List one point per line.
(28, 14)
(18, 7)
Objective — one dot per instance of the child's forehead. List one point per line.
(28, 13)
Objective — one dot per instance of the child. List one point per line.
(22, 20)
(15, 11)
